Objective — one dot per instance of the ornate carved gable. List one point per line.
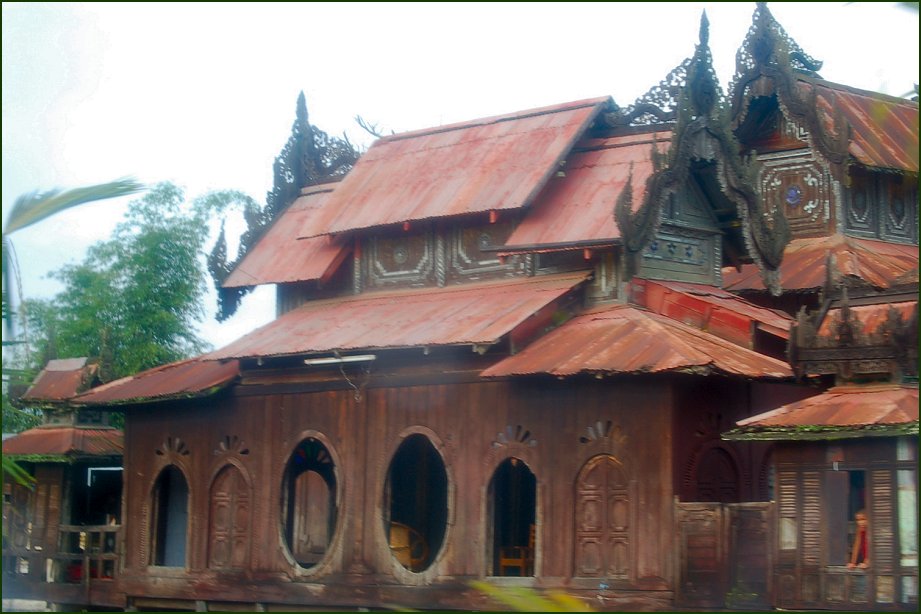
(703, 165)
(309, 157)
(772, 92)
(868, 335)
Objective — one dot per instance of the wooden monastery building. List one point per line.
(510, 348)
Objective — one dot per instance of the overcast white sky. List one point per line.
(203, 94)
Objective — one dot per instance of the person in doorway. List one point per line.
(860, 553)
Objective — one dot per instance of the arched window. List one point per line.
(170, 518)
(416, 503)
(228, 530)
(309, 502)
(513, 497)
(603, 520)
(717, 477)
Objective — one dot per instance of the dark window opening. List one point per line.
(845, 495)
(170, 518)
(512, 493)
(96, 495)
(416, 498)
(309, 502)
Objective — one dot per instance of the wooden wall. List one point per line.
(555, 427)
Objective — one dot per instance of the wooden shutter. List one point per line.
(812, 519)
(836, 493)
(228, 538)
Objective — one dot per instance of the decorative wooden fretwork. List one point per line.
(311, 453)
(231, 444)
(514, 436)
(604, 431)
(846, 350)
(768, 52)
(702, 135)
(173, 446)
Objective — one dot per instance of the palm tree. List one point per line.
(30, 209)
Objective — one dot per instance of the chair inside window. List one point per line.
(518, 557)
(408, 546)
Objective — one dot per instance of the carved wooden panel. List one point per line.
(228, 536)
(603, 520)
(469, 258)
(400, 260)
(883, 206)
(682, 254)
(802, 187)
(900, 217)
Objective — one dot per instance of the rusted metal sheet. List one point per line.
(66, 441)
(184, 379)
(625, 339)
(577, 205)
(849, 407)
(479, 313)
(280, 257)
(805, 261)
(709, 308)
(60, 380)
(492, 164)
(871, 317)
(884, 129)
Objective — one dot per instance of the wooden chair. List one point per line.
(518, 557)
(408, 546)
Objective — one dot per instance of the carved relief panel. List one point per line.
(803, 187)
(437, 257)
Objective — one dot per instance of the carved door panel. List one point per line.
(228, 541)
(602, 520)
(311, 517)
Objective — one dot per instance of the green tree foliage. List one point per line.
(135, 300)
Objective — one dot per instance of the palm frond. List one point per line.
(20, 475)
(36, 206)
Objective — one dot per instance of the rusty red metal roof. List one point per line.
(492, 164)
(179, 380)
(871, 317)
(850, 410)
(280, 257)
(67, 441)
(804, 265)
(475, 313)
(578, 208)
(60, 380)
(710, 309)
(884, 129)
(626, 339)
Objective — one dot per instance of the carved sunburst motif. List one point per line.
(173, 445)
(514, 435)
(606, 429)
(231, 444)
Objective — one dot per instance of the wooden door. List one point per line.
(228, 537)
(602, 520)
(311, 530)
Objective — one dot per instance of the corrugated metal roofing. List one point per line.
(625, 339)
(871, 317)
(840, 409)
(877, 263)
(280, 257)
(60, 380)
(66, 441)
(709, 308)
(884, 129)
(476, 313)
(184, 379)
(492, 164)
(579, 208)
